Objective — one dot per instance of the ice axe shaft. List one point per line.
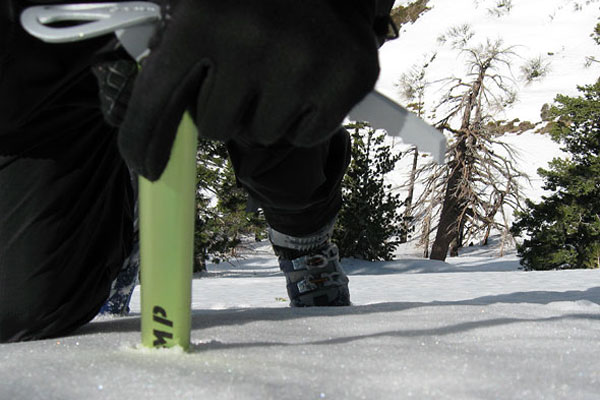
(167, 215)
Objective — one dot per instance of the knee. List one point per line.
(24, 318)
(25, 315)
(16, 327)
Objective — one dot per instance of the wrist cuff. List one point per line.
(302, 243)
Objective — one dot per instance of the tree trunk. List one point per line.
(448, 227)
(457, 242)
(427, 225)
(427, 228)
(411, 190)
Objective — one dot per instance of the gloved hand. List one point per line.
(259, 70)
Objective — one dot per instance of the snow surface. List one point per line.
(476, 327)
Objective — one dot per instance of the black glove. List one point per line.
(257, 70)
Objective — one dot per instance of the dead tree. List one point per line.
(407, 216)
(411, 87)
(474, 170)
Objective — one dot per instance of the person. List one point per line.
(272, 78)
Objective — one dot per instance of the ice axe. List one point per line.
(167, 205)
(134, 23)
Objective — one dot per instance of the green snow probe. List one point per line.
(167, 205)
(166, 209)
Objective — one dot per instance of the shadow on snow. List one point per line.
(204, 319)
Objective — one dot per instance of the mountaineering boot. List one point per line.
(123, 286)
(311, 265)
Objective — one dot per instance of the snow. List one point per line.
(553, 29)
(557, 30)
(474, 327)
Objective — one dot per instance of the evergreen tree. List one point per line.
(563, 230)
(369, 223)
(235, 221)
(222, 220)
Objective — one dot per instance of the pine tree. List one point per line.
(563, 230)
(369, 223)
(222, 220)
(236, 222)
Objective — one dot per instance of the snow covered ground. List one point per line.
(476, 327)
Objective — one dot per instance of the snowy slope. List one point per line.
(476, 327)
(557, 30)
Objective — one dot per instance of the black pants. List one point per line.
(65, 194)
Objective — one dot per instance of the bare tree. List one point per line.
(433, 177)
(411, 87)
(480, 180)
(407, 217)
(535, 69)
